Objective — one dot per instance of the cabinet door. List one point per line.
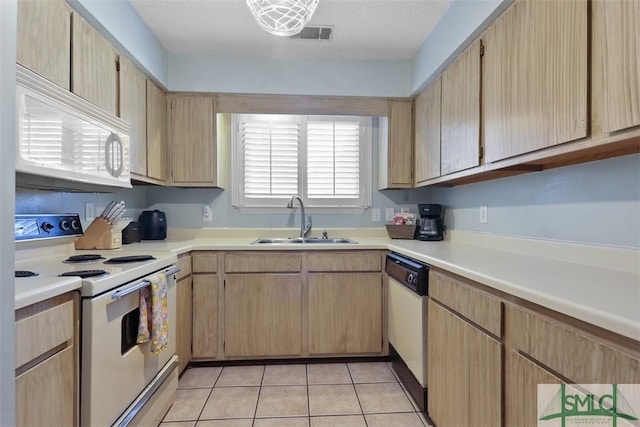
(205, 315)
(44, 39)
(133, 109)
(398, 154)
(460, 142)
(446, 368)
(263, 315)
(156, 132)
(183, 321)
(521, 387)
(620, 47)
(93, 66)
(45, 393)
(345, 313)
(427, 125)
(484, 360)
(193, 141)
(534, 78)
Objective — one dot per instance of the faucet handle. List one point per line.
(325, 235)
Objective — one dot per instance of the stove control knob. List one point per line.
(411, 278)
(47, 227)
(64, 224)
(75, 225)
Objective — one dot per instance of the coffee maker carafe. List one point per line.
(430, 224)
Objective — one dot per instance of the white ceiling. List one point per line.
(386, 30)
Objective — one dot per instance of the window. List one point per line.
(323, 159)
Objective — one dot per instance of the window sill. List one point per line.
(307, 210)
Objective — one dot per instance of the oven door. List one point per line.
(115, 369)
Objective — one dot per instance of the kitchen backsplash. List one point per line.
(593, 203)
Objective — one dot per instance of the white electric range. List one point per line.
(121, 382)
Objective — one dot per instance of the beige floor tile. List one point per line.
(199, 377)
(285, 375)
(340, 421)
(328, 373)
(382, 398)
(333, 400)
(282, 401)
(240, 376)
(248, 422)
(179, 424)
(372, 372)
(187, 404)
(282, 422)
(395, 420)
(231, 402)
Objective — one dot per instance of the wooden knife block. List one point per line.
(99, 236)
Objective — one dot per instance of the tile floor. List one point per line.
(314, 395)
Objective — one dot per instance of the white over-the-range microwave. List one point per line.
(66, 143)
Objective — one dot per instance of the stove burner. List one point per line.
(23, 273)
(83, 258)
(131, 258)
(83, 274)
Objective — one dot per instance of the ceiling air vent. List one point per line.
(314, 33)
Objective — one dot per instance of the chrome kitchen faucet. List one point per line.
(304, 230)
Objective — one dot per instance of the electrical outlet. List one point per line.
(207, 215)
(388, 214)
(89, 211)
(484, 215)
(375, 215)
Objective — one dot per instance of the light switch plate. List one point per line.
(388, 214)
(89, 211)
(375, 215)
(484, 215)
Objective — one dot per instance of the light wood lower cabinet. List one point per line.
(522, 377)
(345, 313)
(263, 315)
(464, 372)
(184, 326)
(46, 385)
(205, 316)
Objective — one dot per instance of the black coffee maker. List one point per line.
(430, 225)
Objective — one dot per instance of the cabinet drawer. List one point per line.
(204, 262)
(568, 351)
(262, 262)
(43, 331)
(480, 308)
(184, 264)
(345, 261)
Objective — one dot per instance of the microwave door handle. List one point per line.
(110, 159)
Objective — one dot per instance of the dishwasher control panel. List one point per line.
(411, 273)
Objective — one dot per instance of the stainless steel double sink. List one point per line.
(299, 240)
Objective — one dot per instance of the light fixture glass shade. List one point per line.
(282, 17)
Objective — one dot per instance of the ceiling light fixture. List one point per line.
(282, 17)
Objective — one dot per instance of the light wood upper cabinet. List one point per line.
(396, 146)
(44, 39)
(345, 313)
(156, 149)
(94, 75)
(133, 109)
(460, 141)
(263, 315)
(193, 141)
(534, 78)
(618, 44)
(427, 132)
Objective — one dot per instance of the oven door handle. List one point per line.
(141, 284)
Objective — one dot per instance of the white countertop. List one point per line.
(598, 285)
(35, 289)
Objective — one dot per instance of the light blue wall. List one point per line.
(230, 74)
(595, 203)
